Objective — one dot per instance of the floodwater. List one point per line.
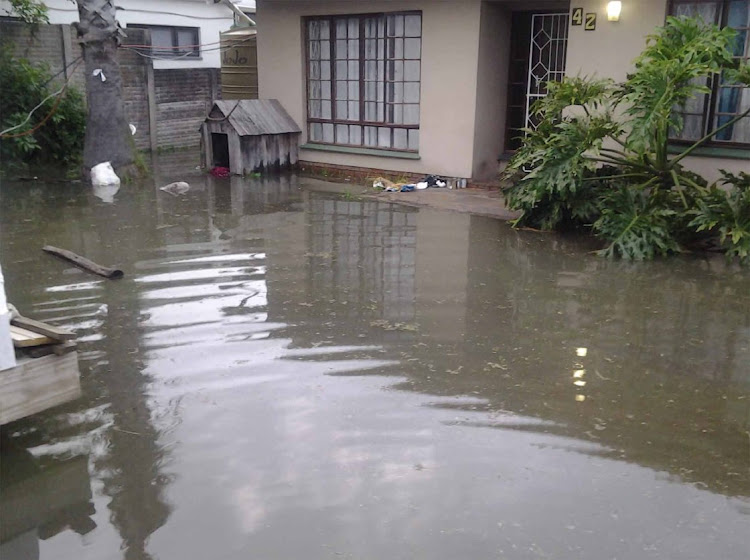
(290, 374)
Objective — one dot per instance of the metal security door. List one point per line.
(547, 57)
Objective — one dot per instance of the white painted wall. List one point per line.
(211, 18)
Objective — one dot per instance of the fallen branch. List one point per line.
(84, 263)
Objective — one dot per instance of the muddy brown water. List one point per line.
(290, 374)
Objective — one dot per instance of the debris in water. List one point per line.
(388, 326)
(176, 188)
(104, 174)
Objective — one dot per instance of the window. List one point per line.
(727, 100)
(173, 42)
(363, 80)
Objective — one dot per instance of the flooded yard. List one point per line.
(292, 374)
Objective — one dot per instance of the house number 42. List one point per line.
(588, 22)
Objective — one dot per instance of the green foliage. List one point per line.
(728, 213)
(59, 141)
(30, 11)
(582, 166)
(635, 227)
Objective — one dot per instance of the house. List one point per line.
(169, 87)
(192, 24)
(443, 86)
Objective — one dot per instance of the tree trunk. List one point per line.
(107, 134)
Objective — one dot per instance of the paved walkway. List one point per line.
(471, 201)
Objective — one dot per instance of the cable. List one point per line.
(63, 70)
(121, 9)
(139, 53)
(58, 93)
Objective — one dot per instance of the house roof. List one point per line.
(254, 117)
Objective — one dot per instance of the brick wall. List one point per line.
(134, 72)
(47, 45)
(182, 97)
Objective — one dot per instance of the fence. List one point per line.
(166, 106)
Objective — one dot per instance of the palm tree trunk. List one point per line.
(106, 127)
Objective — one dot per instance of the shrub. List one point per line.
(599, 158)
(59, 141)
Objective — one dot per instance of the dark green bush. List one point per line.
(600, 158)
(59, 141)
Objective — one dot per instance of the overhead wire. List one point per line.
(137, 50)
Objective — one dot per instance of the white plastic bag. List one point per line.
(104, 174)
(180, 187)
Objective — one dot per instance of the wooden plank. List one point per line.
(42, 328)
(23, 338)
(36, 385)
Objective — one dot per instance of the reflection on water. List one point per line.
(292, 374)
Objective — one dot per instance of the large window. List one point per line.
(363, 80)
(727, 100)
(173, 42)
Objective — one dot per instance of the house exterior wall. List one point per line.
(492, 89)
(448, 83)
(609, 51)
(210, 18)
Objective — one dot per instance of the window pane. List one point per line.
(162, 38)
(342, 134)
(371, 136)
(325, 50)
(400, 139)
(188, 39)
(327, 133)
(708, 11)
(384, 137)
(313, 30)
(413, 26)
(316, 132)
(412, 48)
(314, 70)
(411, 92)
(355, 135)
(411, 114)
(412, 70)
(414, 140)
(314, 109)
(325, 29)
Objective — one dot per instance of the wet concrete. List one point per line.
(287, 374)
(479, 202)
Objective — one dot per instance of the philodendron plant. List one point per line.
(601, 156)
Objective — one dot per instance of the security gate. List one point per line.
(547, 57)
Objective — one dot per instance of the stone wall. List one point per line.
(179, 98)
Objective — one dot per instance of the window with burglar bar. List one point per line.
(727, 100)
(363, 80)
